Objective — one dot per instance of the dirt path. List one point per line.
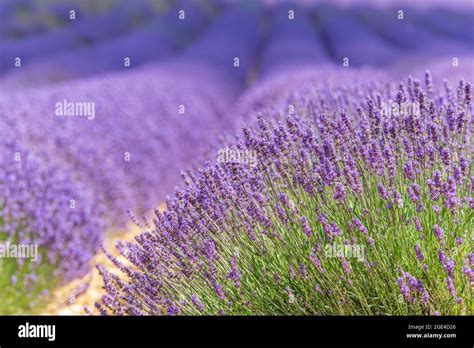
(72, 298)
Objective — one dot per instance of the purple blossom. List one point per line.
(382, 191)
(197, 303)
(412, 289)
(316, 262)
(409, 170)
(417, 223)
(360, 227)
(235, 274)
(305, 225)
(438, 232)
(339, 192)
(418, 253)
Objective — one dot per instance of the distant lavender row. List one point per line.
(110, 24)
(293, 41)
(229, 46)
(456, 24)
(348, 37)
(409, 34)
(22, 18)
(148, 125)
(155, 41)
(363, 34)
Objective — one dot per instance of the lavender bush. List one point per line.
(45, 212)
(360, 202)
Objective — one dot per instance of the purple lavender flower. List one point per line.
(339, 192)
(359, 226)
(414, 192)
(197, 303)
(173, 309)
(417, 223)
(235, 274)
(452, 289)
(305, 225)
(409, 170)
(418, 253)
(412, 289)
(439, 232)
(316, 262)
(382, 191)
(209, 249)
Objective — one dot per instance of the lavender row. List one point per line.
(157, 40)
(103, 26)
(228, 46)
(293, 41)
(358, 201)
(144, 126)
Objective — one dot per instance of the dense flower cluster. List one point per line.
(45, 209)
(342, 177)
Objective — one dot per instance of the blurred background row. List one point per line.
(54, 40)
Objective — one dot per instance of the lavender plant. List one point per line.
(49, 227)
(353, 208)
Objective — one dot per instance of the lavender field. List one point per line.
(213, 157)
